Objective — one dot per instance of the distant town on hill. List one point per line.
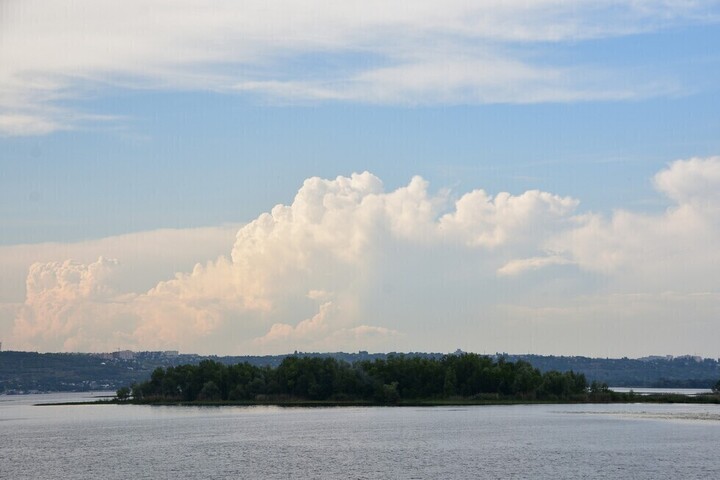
(32, 372)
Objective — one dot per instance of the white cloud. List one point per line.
(459, 79)
(69, 280)
(321, 333)
(332, 241)
(69, 306)
(27, 124)
(694, 182)
(311, 329)
(490, 222)
(674, 250)
(349, 266)
(518, 266)
(147, 257)
(420, 52)
(318, 294)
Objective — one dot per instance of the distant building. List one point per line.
(695, 358)
(124, 355)
(655, 358)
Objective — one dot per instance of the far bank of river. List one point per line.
(648, 396)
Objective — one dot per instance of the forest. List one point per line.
(398, 378)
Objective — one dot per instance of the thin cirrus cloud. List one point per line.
(401, 52)
(348, 265)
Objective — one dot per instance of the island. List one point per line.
(465, 378)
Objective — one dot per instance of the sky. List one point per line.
(261, 177)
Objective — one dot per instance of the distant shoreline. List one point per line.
(622, 399)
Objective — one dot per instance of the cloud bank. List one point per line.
(147, 257)
(398, 52)
(348, 265)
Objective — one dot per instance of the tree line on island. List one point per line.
(393, 380)
(32, 372)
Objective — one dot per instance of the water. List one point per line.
(637, 441)
(648, 390)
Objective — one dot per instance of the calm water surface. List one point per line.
(644, 390)
(527, 441)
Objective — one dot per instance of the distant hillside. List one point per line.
(668, 372)
(22, 372)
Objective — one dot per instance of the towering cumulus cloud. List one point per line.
(70, 306)
(348, 265)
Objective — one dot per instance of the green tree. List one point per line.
(389, 394)
(598, 387)
(450, 384)
(526, 379)
(209, 392)
(716, 387)
(123, 393)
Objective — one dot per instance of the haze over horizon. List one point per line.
(383, 176)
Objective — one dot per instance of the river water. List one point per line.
(634, 441)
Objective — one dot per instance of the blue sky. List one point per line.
(189, 159)
(151, 135)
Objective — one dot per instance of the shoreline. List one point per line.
(707, 399)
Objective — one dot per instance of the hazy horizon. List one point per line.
(360, 352)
